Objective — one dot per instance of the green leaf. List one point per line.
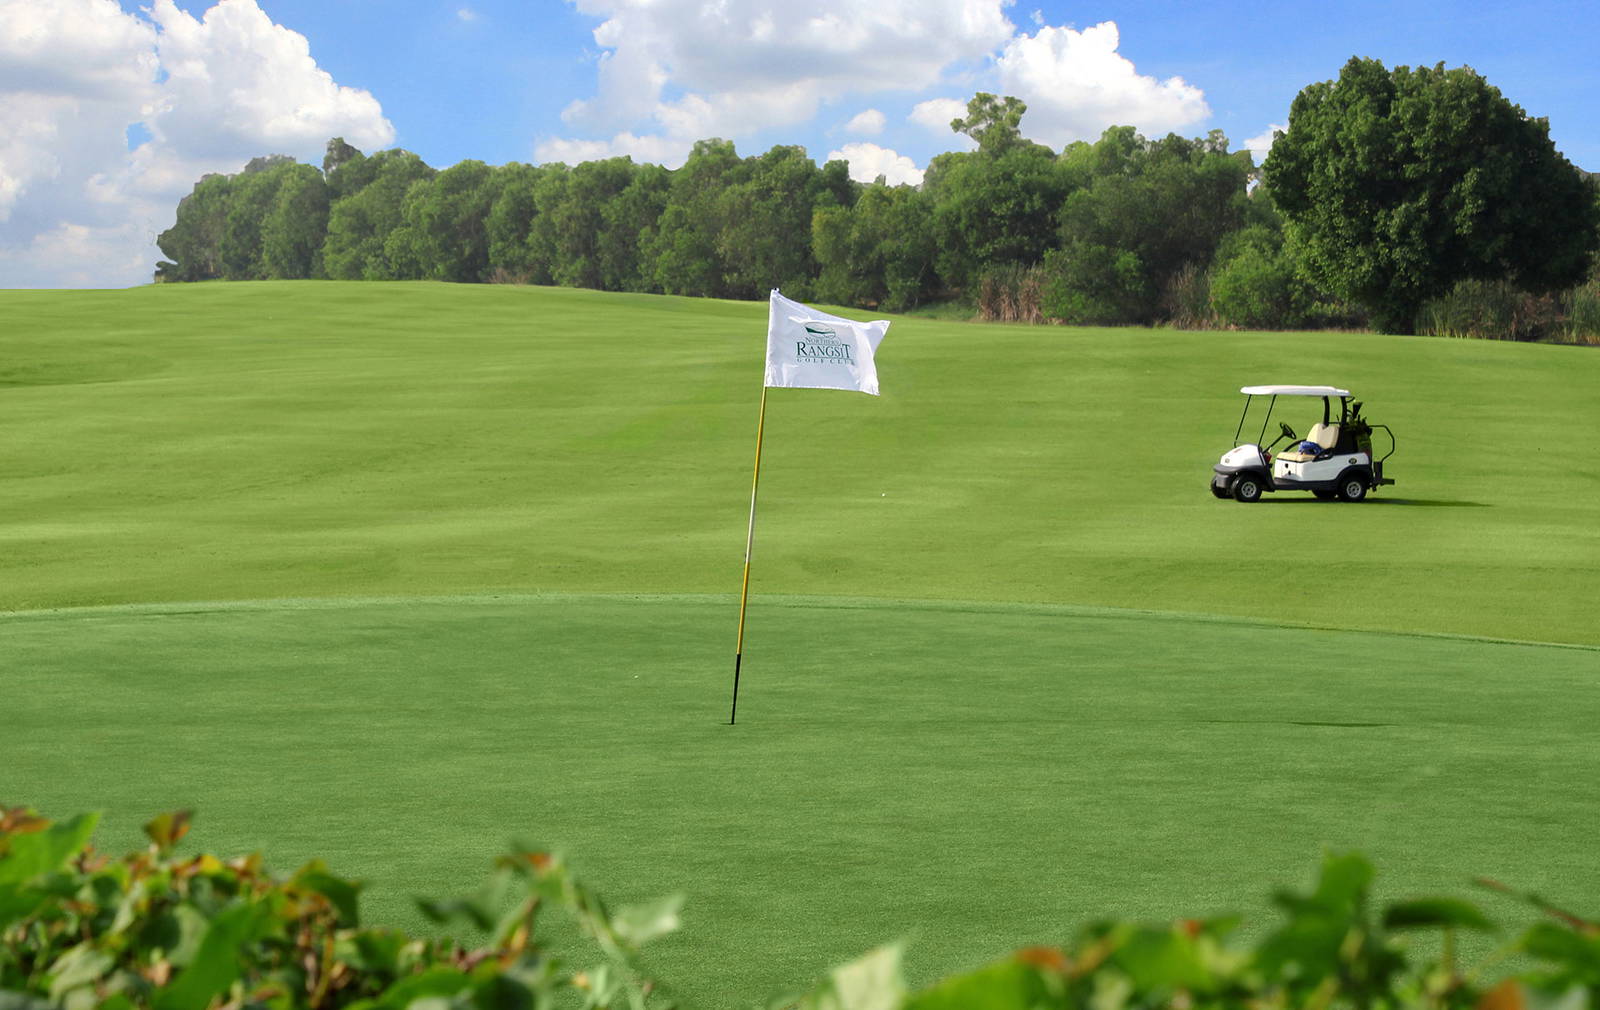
(1432, 913)
(1344, 881)
(434, 982)
(639, 924)
(12, 1000)
(1161, 959)
(78, 967)
(19, 902)
(1579, 955)
(341, 893)
(449, 910)
(505, 991)
(190, 932)
(872, 982)
(1307, 947)
(26, 856)
(374, 950)
(217, 963)
(166, 830)
(1010, 985)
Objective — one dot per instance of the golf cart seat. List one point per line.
(1325, 435)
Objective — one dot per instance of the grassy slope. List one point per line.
(272, 440)
(981, 773)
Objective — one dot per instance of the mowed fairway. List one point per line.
(391, 574)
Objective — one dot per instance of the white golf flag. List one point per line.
(814, 350)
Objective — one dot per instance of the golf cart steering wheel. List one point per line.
(1288, 432)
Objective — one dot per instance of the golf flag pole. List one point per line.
(749, 542)
(810, 349)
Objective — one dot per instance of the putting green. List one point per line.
(975, 776)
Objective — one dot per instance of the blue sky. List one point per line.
(110, 109)
(490, 87)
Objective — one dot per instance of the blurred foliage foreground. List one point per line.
(80, 930)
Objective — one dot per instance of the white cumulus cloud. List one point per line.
(936, 113)
(1076, 84)
(667, 151)
(684, 70)
(1260, 145)
(80, 207)
(868, 161)
(866, 123)
(674, 71)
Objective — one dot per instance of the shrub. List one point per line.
(153, 931)
(1093, 285)
(1258, 281)
(1332, 950)
(1255, 289)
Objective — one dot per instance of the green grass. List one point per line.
(516, 517)
(225, 442)
(976, 776)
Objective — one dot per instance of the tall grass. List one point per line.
(1489, 310)
(1498, 310)
(1583, 314)
(1011, 294)
(1186, 299)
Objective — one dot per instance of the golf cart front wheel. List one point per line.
(1246, 489)
(1352, 487)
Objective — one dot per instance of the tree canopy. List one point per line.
(1397, 184)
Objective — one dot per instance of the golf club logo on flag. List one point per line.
(823, 345)
(810, 349)
(806, 349)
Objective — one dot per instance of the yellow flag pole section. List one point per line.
(749, 542)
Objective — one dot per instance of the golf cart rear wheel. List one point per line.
(1246, 488)
(1352, 487)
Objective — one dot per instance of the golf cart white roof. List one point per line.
(1293, 391)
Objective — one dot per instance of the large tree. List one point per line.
(447, 215)
(995, 206)
(763, 238)
(1398, 183)
(295, 228)
(1150, 211)
(369, 195)
(878, 253)
(683, 249)
(194, 242)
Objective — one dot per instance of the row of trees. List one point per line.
(1123, 213)
(720, 225)
(1389, 190)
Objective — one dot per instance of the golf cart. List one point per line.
(1333, 461)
